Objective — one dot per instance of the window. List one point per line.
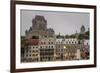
(41, 42)
(51, 42)
(48, 42)
(52, 46)
(33, 55)
(49, 46)
(61, 50)
(45, 36)
(36, 47)
(59, 46)
(36, 54)
(36, 50)
(79, 42)
(59, 54)
(46, 46)
(72, 42)
(75, 42)
(40, 46)
(33, 51)
(44, 42)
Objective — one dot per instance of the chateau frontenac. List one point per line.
(39, 28)
(44, 45)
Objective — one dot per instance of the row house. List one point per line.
(67, 49)
(47, 47)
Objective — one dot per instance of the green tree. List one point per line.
(81, 36)
(72, 36)
(67, 36)
(87, 34)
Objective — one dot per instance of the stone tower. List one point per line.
(39, 28)
(82, 30)
(39, 23)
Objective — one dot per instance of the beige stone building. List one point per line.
(68, 49)
(47, 47)
(46, 37)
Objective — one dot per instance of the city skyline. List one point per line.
(62, 22)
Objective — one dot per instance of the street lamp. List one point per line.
(64, 47)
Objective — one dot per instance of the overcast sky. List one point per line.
(62, 22)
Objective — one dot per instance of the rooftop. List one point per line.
(33, 42)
